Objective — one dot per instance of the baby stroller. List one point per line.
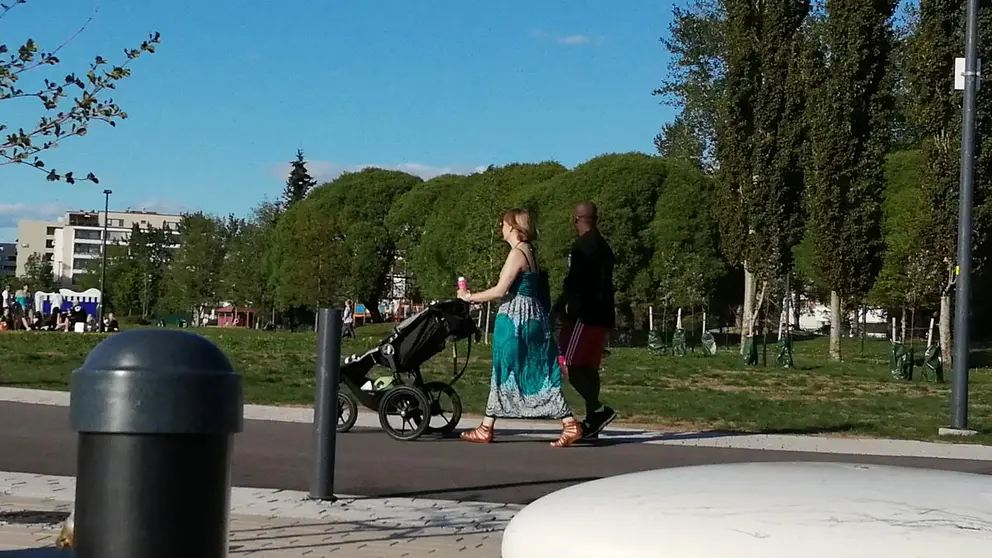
(403, 394)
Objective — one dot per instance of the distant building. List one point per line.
(75, 241)
(8, 259)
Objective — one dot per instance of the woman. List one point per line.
(526, 381)
(23, 298)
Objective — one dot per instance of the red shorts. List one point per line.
(581, 345)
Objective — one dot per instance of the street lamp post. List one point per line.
(103, 250)
(959, 387)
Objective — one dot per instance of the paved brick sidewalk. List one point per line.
(33, 523)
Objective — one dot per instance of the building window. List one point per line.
(81, 264)
(84, 234)
(117, 236)
(50, 243)
(115, 222)
(50, 231)
(90, 249)
(47, 257)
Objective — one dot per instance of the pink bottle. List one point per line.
(462, 284)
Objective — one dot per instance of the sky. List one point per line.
(429, 87)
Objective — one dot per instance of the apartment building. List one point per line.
(8, 259)
(74, 242)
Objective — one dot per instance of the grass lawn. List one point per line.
(856, 397)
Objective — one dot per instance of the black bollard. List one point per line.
(156, 410)
(325, 409)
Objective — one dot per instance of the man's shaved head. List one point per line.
(586, 211)
(584, 217)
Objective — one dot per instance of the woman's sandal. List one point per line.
(571, 433)
(481, 435)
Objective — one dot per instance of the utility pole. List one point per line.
(972, 75)
(103, 250)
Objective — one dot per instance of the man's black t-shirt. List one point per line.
(588, 291)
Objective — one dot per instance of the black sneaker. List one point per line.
(587, 432)
(595, 424)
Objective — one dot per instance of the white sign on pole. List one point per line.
(959, 68)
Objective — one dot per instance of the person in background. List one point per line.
(23, 298)
(348, 320)
(58, 320)
(587, 309)
(5, 297)
(7, 321)
(110, 324)
(76, 316)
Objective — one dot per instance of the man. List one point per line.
(5, 296)
(587, 308)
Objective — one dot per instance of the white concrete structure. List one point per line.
(762, 510)
(75, 241)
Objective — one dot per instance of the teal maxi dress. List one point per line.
(526, 380)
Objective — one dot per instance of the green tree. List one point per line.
(759, 140)
(686, 264)
(299, 183)
(150, 253)
(626, 188)
(137, 273)
(194, 271)
(849, 117)
(694, 82)
(357, 206)
(439, 252)
(60, 117)
(38, 274)
(310, 258)
(408, 218)
(902, 282)
(934, 110)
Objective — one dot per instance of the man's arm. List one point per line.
(572, 287)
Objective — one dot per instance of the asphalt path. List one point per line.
(515, 469)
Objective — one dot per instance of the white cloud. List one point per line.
(324, 171)
(566, 40)
(11, 213)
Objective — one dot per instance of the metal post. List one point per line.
(959, 389)
(325, 410)
(103, 250)
(156, 411)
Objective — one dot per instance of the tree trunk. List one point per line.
(835, 326)
(373, 307)
(945, 327)
(795, 310)
(903, 327)
(747, 315)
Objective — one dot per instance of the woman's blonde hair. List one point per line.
(519, 221)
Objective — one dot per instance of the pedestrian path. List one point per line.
(283, 523)
(778, 442)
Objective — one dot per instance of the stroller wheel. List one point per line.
(404, 413)
(445, 405)
(347, 411)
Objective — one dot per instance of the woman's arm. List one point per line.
(511, 268)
